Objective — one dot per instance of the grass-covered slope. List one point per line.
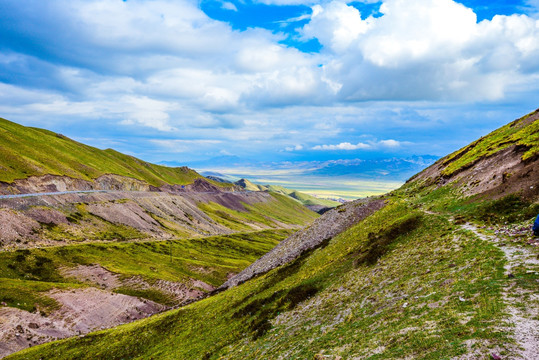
(26, 151)
(27, 275)
(412, 286)
(279, 210)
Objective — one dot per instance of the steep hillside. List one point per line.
(115, 216)
(445, 268)
(501, 163)
(69, 290)
(26, 152)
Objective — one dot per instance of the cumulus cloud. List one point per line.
(360, 145)
(229, 6)
(424, 50)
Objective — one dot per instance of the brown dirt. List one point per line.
(97, 275)
(16, 228)
(81, 311)
(498, 175)
(127, 213)
(24, 221)
(47, 216)
(93, 274)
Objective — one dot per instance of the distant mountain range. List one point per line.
(395, 169)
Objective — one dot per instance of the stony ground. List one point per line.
(330, 224)
(81, 311)
(57, 219)
(522, 255)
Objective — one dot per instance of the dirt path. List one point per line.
(522, 303)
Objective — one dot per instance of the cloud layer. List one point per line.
(164, 71)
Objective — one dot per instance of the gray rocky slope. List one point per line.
(327, 226)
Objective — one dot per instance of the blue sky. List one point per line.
(274, 80)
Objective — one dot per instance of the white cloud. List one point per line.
(294, 148)
(424, 50)
(343, 146)
(165, 66)
(390, 143)
(336, 25)
(360, 146)
(229, 6)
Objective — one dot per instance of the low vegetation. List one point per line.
(26, 275)
(401, 282)
(282, 209)
(26, 151)
(416, 279)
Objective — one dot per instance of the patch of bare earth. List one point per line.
(522, 303)
(495, 176)
(181, 292)
(15, 227)
(81, 311)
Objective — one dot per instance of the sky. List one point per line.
(272, 80)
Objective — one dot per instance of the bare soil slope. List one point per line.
(501, 163)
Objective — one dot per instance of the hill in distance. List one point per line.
(313, 203)
(27, 151)
(444, 267)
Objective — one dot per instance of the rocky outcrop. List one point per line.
(56, 183)
(329, 225)
(31, 221)
(493, 175)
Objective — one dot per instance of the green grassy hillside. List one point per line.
(396, 285)
(26, 151)
(26, 275)
(426, 277)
